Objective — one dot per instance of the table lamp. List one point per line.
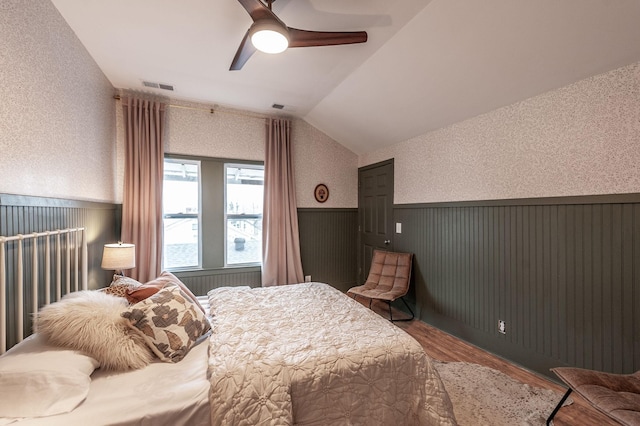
(119, 257)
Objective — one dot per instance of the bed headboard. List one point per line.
(37, 277)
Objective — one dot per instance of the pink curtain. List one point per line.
(144, 166)
(281, 262)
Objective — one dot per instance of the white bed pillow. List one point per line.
(91, 322)
(39, 380)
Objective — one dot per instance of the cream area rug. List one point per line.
(484, 396)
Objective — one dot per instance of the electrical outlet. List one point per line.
(502, 327)
(307, 278)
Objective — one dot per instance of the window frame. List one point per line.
(198, 216)
(212, 211)
(239, 216)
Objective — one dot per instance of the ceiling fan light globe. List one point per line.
(269, 38)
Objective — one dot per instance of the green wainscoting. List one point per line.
(328, 245)
(201, 281)
(328, 240)
(25, 214)
(564, 273)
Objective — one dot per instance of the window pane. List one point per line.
(181, 187)
(244, 188)
(181, 202)
(180, 243)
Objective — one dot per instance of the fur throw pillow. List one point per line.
(91, 322)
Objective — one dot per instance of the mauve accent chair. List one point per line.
(616, 395)
(388, 279)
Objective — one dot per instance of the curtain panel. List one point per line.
(144, 124)
(281, 262)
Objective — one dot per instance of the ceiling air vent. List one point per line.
(158, 85)
(277, 106)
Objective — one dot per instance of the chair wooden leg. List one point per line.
(555, 410)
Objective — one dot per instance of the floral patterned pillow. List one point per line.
(169, 322)
(121, 285)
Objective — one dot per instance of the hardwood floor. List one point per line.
(444, 347)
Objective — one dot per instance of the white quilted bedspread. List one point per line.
(306, 354)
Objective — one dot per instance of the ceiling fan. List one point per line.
(269, 34)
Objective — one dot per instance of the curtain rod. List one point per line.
(210, 110)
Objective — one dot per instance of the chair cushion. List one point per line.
(616, 395)
(388, 278)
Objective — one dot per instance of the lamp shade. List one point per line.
(119, 256)
(269, 37)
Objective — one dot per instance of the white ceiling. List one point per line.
(427, 64)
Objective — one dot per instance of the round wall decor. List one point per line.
(321, 193)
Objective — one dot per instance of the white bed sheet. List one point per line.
(159, 394)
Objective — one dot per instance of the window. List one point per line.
(212, 212)
(243, 200)
(181, 207)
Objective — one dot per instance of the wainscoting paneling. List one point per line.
(25, 215)
(200, 282)
(328, 249)
(328, 245)
(563, 273)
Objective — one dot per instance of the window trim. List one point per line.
(213, 258)
(259, 166)
(197, 216)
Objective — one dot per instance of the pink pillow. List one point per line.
(138, 294)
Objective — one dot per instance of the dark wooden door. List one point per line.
(375, 212)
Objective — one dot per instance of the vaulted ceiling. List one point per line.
(426, 64)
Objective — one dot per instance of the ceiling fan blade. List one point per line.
(304, 38)
(257, 10)
(243, 54)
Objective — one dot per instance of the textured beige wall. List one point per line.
(241, 135)
(57, 121)
(319, 159)
(57, 133)
(581, 139)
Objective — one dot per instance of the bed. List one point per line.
(307, 354)
(159, 394)
(303, 354)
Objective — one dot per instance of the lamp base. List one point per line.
(118, 274)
